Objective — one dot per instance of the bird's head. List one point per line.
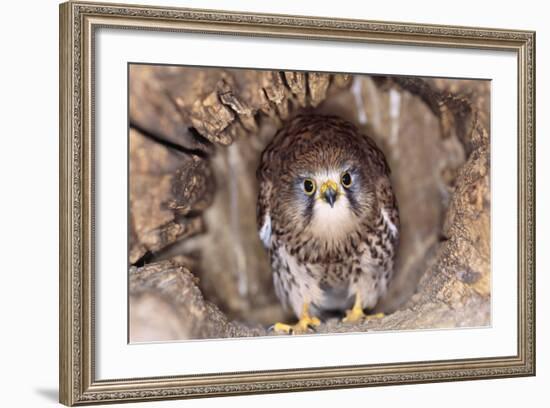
(324, 178)
(330, 201)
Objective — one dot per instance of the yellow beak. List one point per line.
(329, 191)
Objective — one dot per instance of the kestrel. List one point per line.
(328, 216)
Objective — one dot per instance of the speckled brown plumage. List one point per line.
(339, 240)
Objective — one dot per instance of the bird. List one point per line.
(328, 217)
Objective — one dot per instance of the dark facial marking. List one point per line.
(305, 198)
(354, 204)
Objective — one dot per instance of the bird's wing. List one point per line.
(263, 214)
(270, 163)
(386, 198)
(265, 175)
(388, 205)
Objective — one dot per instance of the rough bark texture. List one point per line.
(158, 199)
(196, 135)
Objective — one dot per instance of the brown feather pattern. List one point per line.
(319, 254)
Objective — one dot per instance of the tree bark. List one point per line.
(196, 135)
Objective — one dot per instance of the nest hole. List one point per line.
(228, 258)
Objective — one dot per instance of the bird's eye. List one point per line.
(309, 186)
(346, 179)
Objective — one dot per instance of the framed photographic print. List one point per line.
(256, 203)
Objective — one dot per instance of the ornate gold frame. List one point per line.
(77, 24)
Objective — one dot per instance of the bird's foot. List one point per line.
(302, 327)
(356, 314)
(305, 323)
(374, 316)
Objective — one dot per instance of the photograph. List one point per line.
(251, 204)
(264, 203)
(284, 203)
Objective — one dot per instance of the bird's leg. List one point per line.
(355, 314)
(306, 321)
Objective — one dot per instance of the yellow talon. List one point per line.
(306, 321)
(355, 314)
